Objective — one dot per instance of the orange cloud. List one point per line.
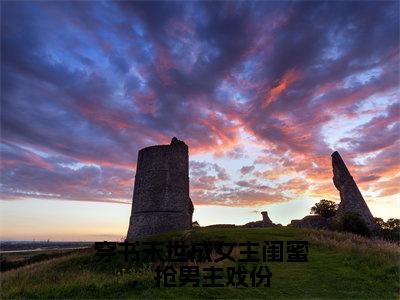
(287, 79)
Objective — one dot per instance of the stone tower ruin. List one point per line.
(161, 201)
(351, 200)
(265, 222)
(265, 218)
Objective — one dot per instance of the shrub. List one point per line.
(324, 208)
(352, 222)
(390, 229)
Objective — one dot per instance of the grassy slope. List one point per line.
(340, 266)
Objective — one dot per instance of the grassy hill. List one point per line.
(339, 266)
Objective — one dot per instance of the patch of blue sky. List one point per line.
(85, 44)
(35, 151)
(318, 98)
(106, 12)
(248, 67)
(186, 51)
(390, 126)
(240, 97)
(118, 44)
(138, 27)
(148, 51)
(209, 52)
(78, 165)
(376, 101)
(224, 92)
(227, 92)
(135, 72)
(121, 95)
(196, 14)
(51, 108)
(58, 50)
(341, 127)
(336, 47)
(362, 78)
(65, 60)
(34, 193)
(120, 100)
(332, 53)
(362, 159)
(232, 166)
(87, 49)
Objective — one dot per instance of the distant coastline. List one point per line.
(27, 246)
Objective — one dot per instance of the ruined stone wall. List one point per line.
(351, 200)
(161, 201)
(265, 222)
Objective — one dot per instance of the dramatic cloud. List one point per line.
(262, 92)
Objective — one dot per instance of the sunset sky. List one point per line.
(262, 93)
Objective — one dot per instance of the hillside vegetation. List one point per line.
(339, 266)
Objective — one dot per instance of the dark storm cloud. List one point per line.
(91, 83)
(379, 133)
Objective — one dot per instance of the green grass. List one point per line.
(340, 266)
(13, 260)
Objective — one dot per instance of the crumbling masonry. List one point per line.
(351, 200)
(265, 222)
(161, 201)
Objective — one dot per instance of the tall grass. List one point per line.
(380, 250)
(341, 265)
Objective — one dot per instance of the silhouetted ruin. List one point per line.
(313, 221)
(351, 200)
(265, 222)
(161, 201)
